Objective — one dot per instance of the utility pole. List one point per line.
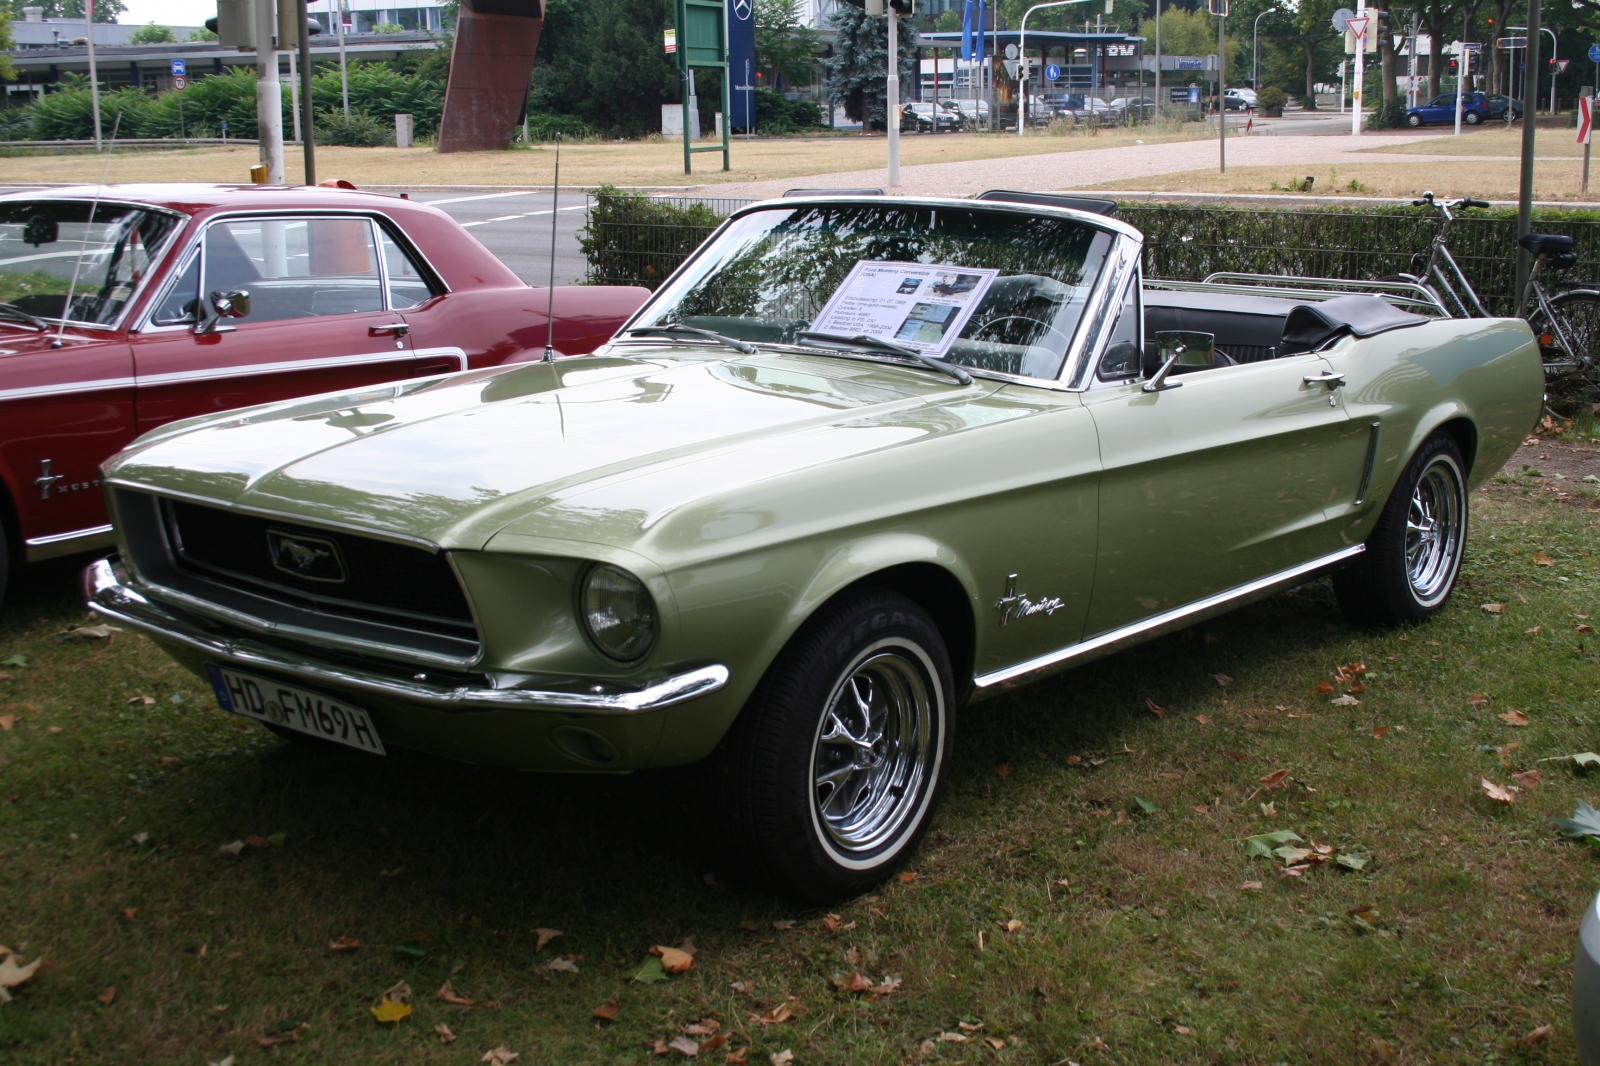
(307, 113)
(1220, 9)
(1359, 74)
(893, 92)
(94, 80)
(1530, 115)
(344, 75)
(269, 92)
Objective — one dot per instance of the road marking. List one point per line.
(511, 218)
(486, 196)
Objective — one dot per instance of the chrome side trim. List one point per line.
(71, 543)
(99, 385)
(397, 355)
(1366, 469)
(454, 353)
(1150, 628)
(109, 597)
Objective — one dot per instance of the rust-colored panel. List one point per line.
(489, 68)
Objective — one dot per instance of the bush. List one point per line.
(545, 127)
(632, 239)
(382, 92)
(1271, 99)
(1308, 101)
(359, 130)
(1391, 116)
(776, 114)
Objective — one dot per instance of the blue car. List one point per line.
(1442, 108)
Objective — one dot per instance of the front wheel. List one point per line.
(830, 775)
(1413, 556)
(1414, 120)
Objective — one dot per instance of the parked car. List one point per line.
(1240, 99)
(1474, 109)
(1132, 109)
(1498, 105)
(859, 462)
(925, 118)
(192, 299)
(975, 112)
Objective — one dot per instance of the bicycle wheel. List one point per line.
(1571, 375)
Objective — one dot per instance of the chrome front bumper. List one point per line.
(110, 596)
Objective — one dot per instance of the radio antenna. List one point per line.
(66, 308)
(550, 306)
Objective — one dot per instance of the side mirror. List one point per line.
(224, 305)
(1179, 347)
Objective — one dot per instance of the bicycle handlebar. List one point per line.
(1470, 202)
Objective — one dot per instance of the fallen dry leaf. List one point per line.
(789, 923)
(545, 936)
(100, 632)
(1325, 687)
(1584, 627)
(750, 927)
(1355, 688)
(995, 1042)
(108, 995)
(1251, 886)
(1495, 608)
(952, 1038)
(907, 877)
(736, 1057)
(130, 913)
(142, 701)
(781, 1013)
(857, 982)
(1528, 779)
(445, 1035)
(499, 1056)
(1504, 751)
(832, 922)
(52, 729)
(1203, 719)
(1275, 780)
(969, 1027)
(1513, 717)
(1477, 700)
(1293, 871)
(1235, 756)
(703, 1027)
(233, 849)
(713, 1044)
(673, 960)
(1269, 810)
(258, 842)
(7, 721)
(1380, 731)
(344, 943)
(658, 1047)
(390, 1011)
(400, 993)
(1158, 711)
(744, 988)
(1345, 701)
(1222, 679)
(1541, 559)
(447, 994)
(1182, 1030)
(607, 1010)
(1010, 926)
(684, 1046)
(1004, 769)
(1383, 1048)
(1532, 630)
(1499, 793)
(566, 965)
(781, 1058)
(1537, 1035)
(1072, 760)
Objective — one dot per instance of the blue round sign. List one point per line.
(1594, 53)
(1053, 72)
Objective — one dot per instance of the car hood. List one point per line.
(455, 460)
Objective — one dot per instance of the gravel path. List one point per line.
(1080, 169)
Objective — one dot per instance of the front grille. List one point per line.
(371, 580)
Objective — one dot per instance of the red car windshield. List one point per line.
(97, 253)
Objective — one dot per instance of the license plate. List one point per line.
(294, 708)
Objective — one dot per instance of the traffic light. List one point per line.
(235, 25)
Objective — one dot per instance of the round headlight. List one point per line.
(618, 612)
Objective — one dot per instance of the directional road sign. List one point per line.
(1594, 53)
(1053, 71)
(1585, 118)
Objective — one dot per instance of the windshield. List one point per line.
(988, 290)
(42, 242)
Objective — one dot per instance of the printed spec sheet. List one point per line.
(919, 305)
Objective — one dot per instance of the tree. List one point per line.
(153, 33)
(104, 10)
(785, 47)
(1313, 26)
(856, 75)
(200, 33)
(601, 61)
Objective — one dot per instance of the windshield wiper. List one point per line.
(17, 314)
(861, 340)
(708, 334)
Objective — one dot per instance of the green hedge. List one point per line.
(637, 240)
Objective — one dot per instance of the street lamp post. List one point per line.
(1023, 68)
(1255, 52)
(1553, 45)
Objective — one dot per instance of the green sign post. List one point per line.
(702, 44)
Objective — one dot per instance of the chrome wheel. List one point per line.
(1435, 524)
(876, 751)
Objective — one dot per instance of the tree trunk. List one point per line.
(1502, 7)
(1311, 72)
(1386, 55)
(1434, 24)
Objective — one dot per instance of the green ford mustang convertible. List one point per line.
(860, 462)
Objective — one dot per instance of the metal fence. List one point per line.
(638, 240)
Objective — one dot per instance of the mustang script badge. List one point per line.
(311, 558)
(1017, 605)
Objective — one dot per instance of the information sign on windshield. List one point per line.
(919, 305)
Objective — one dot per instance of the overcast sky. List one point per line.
(168, 12)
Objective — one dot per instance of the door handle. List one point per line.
(1328, 378)
(393, 329)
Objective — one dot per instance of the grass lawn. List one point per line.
(1081, 896)
(629, 163)
(1553, 179)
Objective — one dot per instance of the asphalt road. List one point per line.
(515, 226)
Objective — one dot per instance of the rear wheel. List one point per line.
(830, 775)
(1413, 556)
(1572, 374)
(1471, 118)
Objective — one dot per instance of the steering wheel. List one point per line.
(991, 323)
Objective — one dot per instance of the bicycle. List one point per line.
(1567, 324)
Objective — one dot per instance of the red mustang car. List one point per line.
(158, 302)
